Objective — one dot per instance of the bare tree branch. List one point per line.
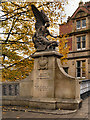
(10, 30)
(11, 40)
(13, 11)
(23, 11)
(14, 33)
(17, 62)
(15, 42)
(15, 4)
(20, 13)
(13, 23)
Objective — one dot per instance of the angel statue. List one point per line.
(40, 37)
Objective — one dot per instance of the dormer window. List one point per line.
(83, 23)
(78, 24)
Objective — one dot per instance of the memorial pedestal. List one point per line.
(48, 86)
(52, 87)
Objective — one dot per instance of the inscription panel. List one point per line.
(43, 84)
(43, 75)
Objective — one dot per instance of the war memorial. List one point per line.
(48, 86)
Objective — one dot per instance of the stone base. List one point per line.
(69, 104)
(43, 104)
(50, 104)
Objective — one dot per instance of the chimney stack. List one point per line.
(80, 3)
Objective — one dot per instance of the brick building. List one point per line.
(77, 28)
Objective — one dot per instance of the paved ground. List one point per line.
(82, 113)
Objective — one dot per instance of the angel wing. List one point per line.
(40, 16)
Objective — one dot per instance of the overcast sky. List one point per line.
(72, 6)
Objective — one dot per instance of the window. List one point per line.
(83, 68)
(78, 42)
(80, 69)
(78, 24)
(83, 23)
(81, 42)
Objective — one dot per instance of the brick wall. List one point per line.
(66, 28)
(69, 43)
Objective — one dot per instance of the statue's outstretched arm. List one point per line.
(53, 36)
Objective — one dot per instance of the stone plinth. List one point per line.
(52, 85)
(44, 74)
(48, 86)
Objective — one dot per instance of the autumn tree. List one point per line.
(17, 28)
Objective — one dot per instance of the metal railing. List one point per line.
(84, 86)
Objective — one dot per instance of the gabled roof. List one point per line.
(80, 9)
(85, 8)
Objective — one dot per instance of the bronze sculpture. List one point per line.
(40, 37)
